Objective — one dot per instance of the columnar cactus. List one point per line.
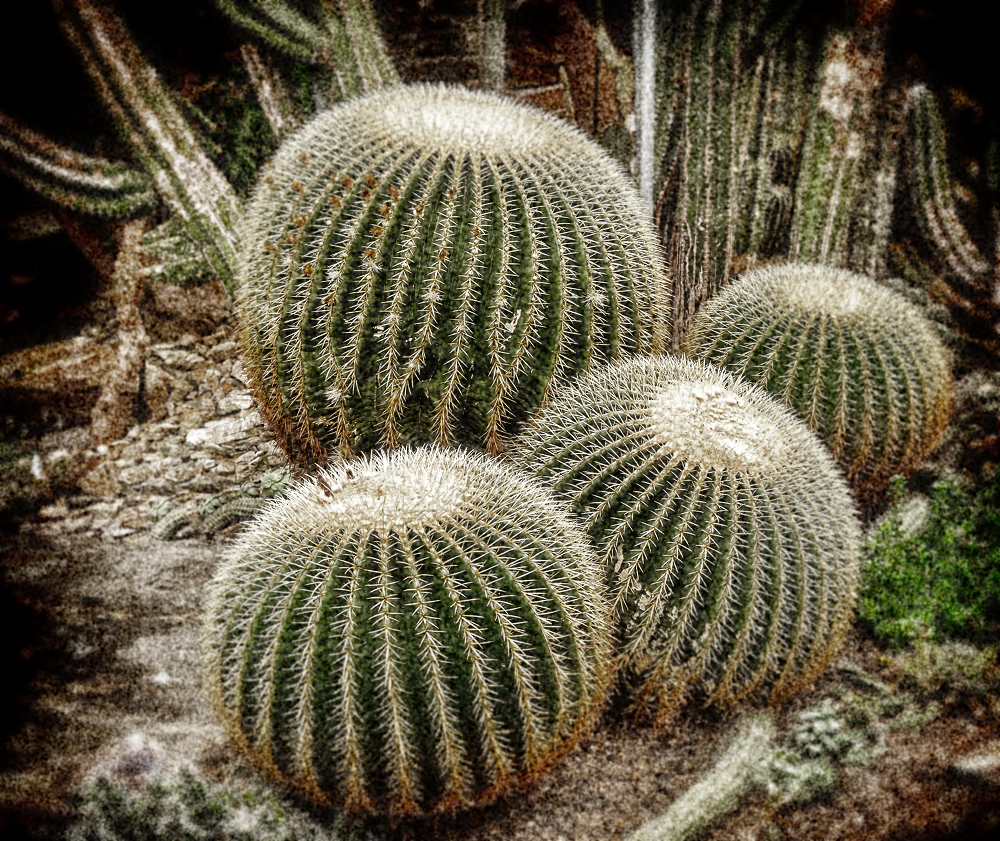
(932, 197)
(729, 540)
(741, 768)
(859, 363)
(160, 137)
(339, 38)
(769, 141)
(411, 634)
(419, 265)
(75, 181)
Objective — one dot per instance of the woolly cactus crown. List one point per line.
(730, 542)
(412, 634)
(419, 265)
(859, 363)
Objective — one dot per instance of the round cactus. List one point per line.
(419, 265)
(855, 360)
(411, 634)
(730, 541)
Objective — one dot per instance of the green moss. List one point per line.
(943, 579)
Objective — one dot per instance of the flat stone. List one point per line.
(223, 430)
(238, 373)
(118, 532)
(980, 767)
(224, 350)
(51, 512)
(234, 402)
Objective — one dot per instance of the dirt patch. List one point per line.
(103, 663)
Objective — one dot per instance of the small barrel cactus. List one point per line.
(855, 360)
(730, 541)
(419, 265)
(411, 634)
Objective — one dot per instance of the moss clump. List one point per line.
(941, 580)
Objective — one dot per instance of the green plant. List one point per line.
(74, 181)
(743, 765)
(953, 667)
(855, 360)
(422, 264)
(183, 806)
(234, 505)
(413, 633)
(730, 543)
(950, 255)
(339, 40)
(768, 141)
(941, 581)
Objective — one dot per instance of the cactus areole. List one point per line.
(855, 360)
(730, 542)
(413, 634)
(421, 264)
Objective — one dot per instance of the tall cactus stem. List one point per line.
(117, 408)
(741, 768)
(931, 192)
(75, 181)
(272, 93)
(184, 176)
(644, 43)
(493, 25)
(339, 38)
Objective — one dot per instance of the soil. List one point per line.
(100, 659)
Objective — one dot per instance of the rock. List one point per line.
(980, 767)
(223, 351)
(234, 402)
(201, 436)
(224, 430)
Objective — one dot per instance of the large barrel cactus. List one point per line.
(729, 539)
(419, 265)
(859, 363)
(412, 634)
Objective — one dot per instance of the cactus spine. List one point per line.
(412, 634)
(857, 361)
(421, 264)
(730, 542)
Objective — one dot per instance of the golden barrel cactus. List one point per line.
(421, 264)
